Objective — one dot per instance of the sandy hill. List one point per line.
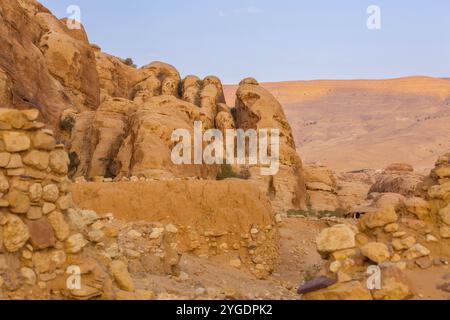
(367, 123)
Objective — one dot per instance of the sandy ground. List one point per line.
(214, 278)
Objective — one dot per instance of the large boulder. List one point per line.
(338, 237)
(116, 78)
(257, 109)
(43, 64)
(398, 179)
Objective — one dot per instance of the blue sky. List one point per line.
(273, 40)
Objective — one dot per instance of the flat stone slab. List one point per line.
(316, 284)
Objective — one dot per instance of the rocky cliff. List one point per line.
(117, 120)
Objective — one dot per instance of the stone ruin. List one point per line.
(43, 240)
(400, 233)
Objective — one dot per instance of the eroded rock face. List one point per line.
(42, 64)
(398, 178)
(257, 109)
(131, 137)
(116, 78)
(70, 60)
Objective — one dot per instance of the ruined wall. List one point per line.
(35, 239)
(229, 217)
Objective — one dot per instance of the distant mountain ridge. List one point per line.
(354, 124)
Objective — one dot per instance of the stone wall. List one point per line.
(227, 218)
(35, 238)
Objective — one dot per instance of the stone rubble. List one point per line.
(398, 234)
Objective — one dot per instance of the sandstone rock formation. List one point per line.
(43, 64)
(397, 178)
(130, 133)
(257, 109)
(335, 194)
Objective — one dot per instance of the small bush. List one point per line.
(227, 172)
(67, 124)
(74, 163)
(130, 62)
(110, 165)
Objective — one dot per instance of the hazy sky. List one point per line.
(273, 40)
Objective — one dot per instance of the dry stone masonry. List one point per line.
(42, 237)
(399, 234)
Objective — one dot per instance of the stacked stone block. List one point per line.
(35, 238)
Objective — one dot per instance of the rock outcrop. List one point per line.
(130, 134)
(43, 64)
(397, 178)
(257, 109)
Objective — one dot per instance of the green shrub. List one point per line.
(227, 172)
(130, 62)
(67, 124)
(110, 165)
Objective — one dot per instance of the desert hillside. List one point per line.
(350, 125)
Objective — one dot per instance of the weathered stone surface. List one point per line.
(376, 252)
(394, 286)
(43, 141)
(119, 270)
(336, 238)
(257, 109)
(401, 182)
(4, 183)
(14, 118)
(419, 207)
(139, 295)
(4, 159)
(29, 276)
(403, 244)
(342, 291)
(444, 231)
(16, 141)
(35, 192)
(34, 213)
(50, 193)
(75, 243)
(42, 235)
(18, 202)
(444, 213)
(416, 251)
(379, 218)
(393, 290)
(48, 207)
(15, 233)
(15, 161)
(59, 162)
(443, 171)
(37, 159)
(59, 225)
(316, 284)
(64, 202)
